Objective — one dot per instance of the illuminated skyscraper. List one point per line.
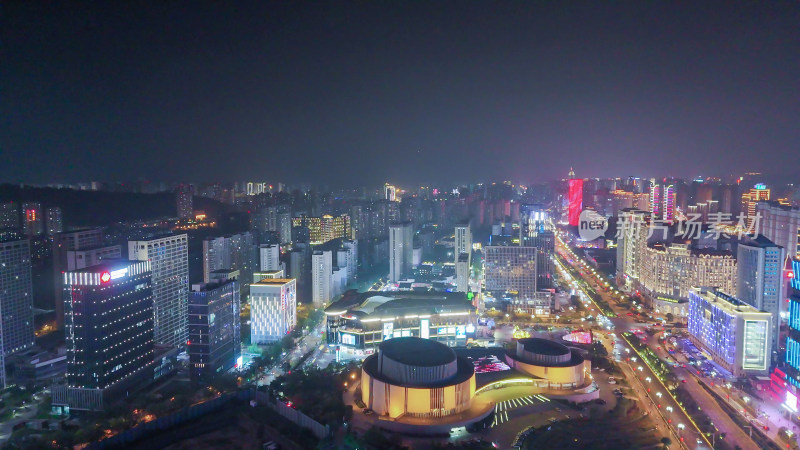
(109, 331)
(214, 344)
(760, 280)
(389, 192)
(575, 200)
(321, 273)
(9, 216)
(758, 193)
(234, 252)
(54, 221)
(655, 199)
(33, 219)
(668, 208)
(76, 250)
(273, 309)
(781, 225)
(16, 296)
(169, 263)
(511, 269)
(401, 250)
(463, 242)
(269, 256)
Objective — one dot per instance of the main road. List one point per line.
(624, 323)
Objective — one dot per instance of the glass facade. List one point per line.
(755, 345)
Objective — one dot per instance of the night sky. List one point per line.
(365, 92)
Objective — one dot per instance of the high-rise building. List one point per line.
(545, 243)
(90, 242)
(792, 366)
(781, 225)
(736, 334)
(33, 218)
(16, 296)
(750, 199)
(214, 344)
(462, 273)
(575, 200)
(183, 201)
(169, 264)
(273, 309)
(632, 237)
(760, 281)
(511, 269)
(321, 273)
(463, 242)
(401, 250)
(668, 208)
(234, 252)
(389, 192)
(269, 257)
(325, 228)
(54, 221)
(109, 331)
(9, 216)
(656, 199)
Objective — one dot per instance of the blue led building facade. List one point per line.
(793, 338)
(736, 334)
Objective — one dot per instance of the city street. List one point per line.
(623, 323)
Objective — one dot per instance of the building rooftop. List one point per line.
(273, 281)
(544, 346)
(400, 303)
(418, 352)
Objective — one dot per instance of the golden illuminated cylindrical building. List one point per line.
(417, 377)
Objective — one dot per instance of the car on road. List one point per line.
(683, 381)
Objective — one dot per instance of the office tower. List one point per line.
(347, 259)
(781, 225)
(545, 244)
(401, 249)
(234, 252)
(214, 344)
(760, 281)
(169, 264)
(462, 273)
(511, 269)
(655, 199)
(269, 257)
(9, 216)
(668, 207)
(54, 221)
(321, 273)
(325, 228)
(88, 250)
(389, 192)
(736, 334)
(575, 200)
(16, 296)
(758, 193)
(463, 242)
(109, 331)
(273, 309)
(33, 218)
(183, 201)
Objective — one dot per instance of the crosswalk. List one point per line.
(501, 409)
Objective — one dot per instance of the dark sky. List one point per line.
(354, 93)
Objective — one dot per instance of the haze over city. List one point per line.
(348, 94)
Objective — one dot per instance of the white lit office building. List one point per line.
(273, 309)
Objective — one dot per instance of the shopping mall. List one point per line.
(359, 322)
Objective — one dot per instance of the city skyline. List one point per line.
(408, 92)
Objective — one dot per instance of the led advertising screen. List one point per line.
(425, 328)
(575, 201)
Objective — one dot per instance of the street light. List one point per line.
(658, 394)
(648, 379)
(669, 408)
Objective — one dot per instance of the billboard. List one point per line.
(575, 201)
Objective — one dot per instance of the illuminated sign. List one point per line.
(791, 401)
(105, 277)
(575, 201)
(239, 361)
(461, 331)
(388, 329)
(424, 328)
(348, 339)
(667, 299)
(119, 273)
(470, 328)
(760, 186)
